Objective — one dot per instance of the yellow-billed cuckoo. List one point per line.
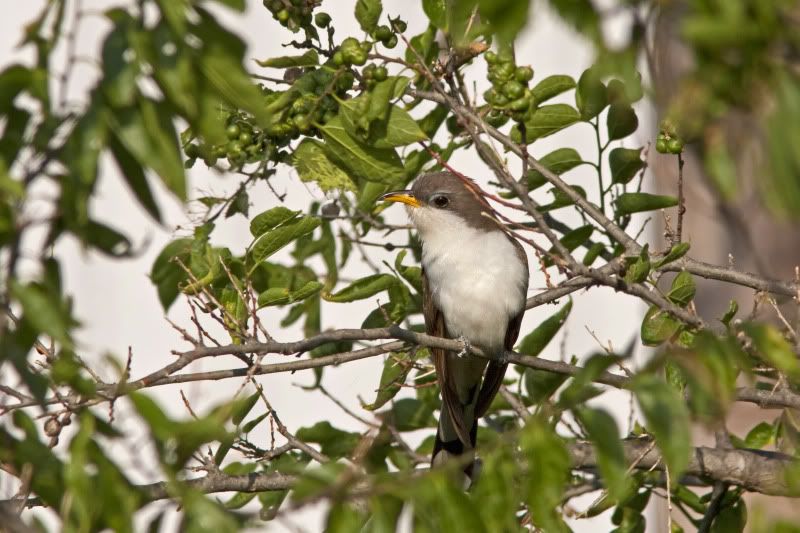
(475, 282)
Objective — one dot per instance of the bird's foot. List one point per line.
(467, 347)
(503, 358)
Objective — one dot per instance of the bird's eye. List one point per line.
(441, 201)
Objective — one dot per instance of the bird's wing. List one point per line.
(496, 370)
(435, 326)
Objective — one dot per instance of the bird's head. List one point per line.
(441, 201)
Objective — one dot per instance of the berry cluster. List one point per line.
(351, 52)
(248, 143)
(509, 95)
(292, 14)
(668, 141)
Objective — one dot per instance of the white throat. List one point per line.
(476, 278)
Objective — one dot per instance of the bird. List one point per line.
(474, 288)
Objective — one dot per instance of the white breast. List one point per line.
(476, 277)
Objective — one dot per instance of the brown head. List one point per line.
(435, 196)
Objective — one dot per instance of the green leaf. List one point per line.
(552, 86)
(368, 12)
(733, 519)
(682, 290)
(313, 165)
(133, 174)
(761, 435)
(621, 121)
(365, 162)
(541, 384)
(362, 288)
(44, 310)
(436, 11)
(658, 326)
(591, 96)
(773, 348)
(148, 134)
(283, 296)
(272, 241)
(308, 59)
(571, 241)
(333, 441)
(220, 62)
(733, 308)
(398, 128)
(675, 253)
(243, 406)
(166, 274)
(604, 434)
(395, 369)
(546, 120)
(548, 471)
(537, 340)
(410, 414)
(270, 219)
(667, 419)
(638, 271)
(560, 198)
(636, 202)
(558, 162)
(625, 163)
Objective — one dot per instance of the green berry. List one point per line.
(490, 96)
(505, 71)
(302, 122)
(359, 58)
(675, 146)
(383, 33)
(338, 58)
(192, 150)
(490, 57)
(523, 74)
(282, 16)
(370, 84)
(391, 42)
(246, 139)
(322, 19)
(453, 126)
(513, 89)
(661, 145)
(520, 104)
(233, 131)
(501, 100)
(369, 71)
(380, 73)
(366, 46)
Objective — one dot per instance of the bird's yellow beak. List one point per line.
(405, 197)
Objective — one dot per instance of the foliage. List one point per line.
(357, 117)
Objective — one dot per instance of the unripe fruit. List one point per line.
(513, 89)
(490, 57)
(232, 131)
(391, 42)
(322, 19)
(523, 74)
(380, 73)
(675, 146)
(383, 33)
(661, 145)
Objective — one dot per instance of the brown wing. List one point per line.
(496, 371)
(434, 325)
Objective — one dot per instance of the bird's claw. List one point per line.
(467, 347)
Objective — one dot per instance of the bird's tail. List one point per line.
(448, 445)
